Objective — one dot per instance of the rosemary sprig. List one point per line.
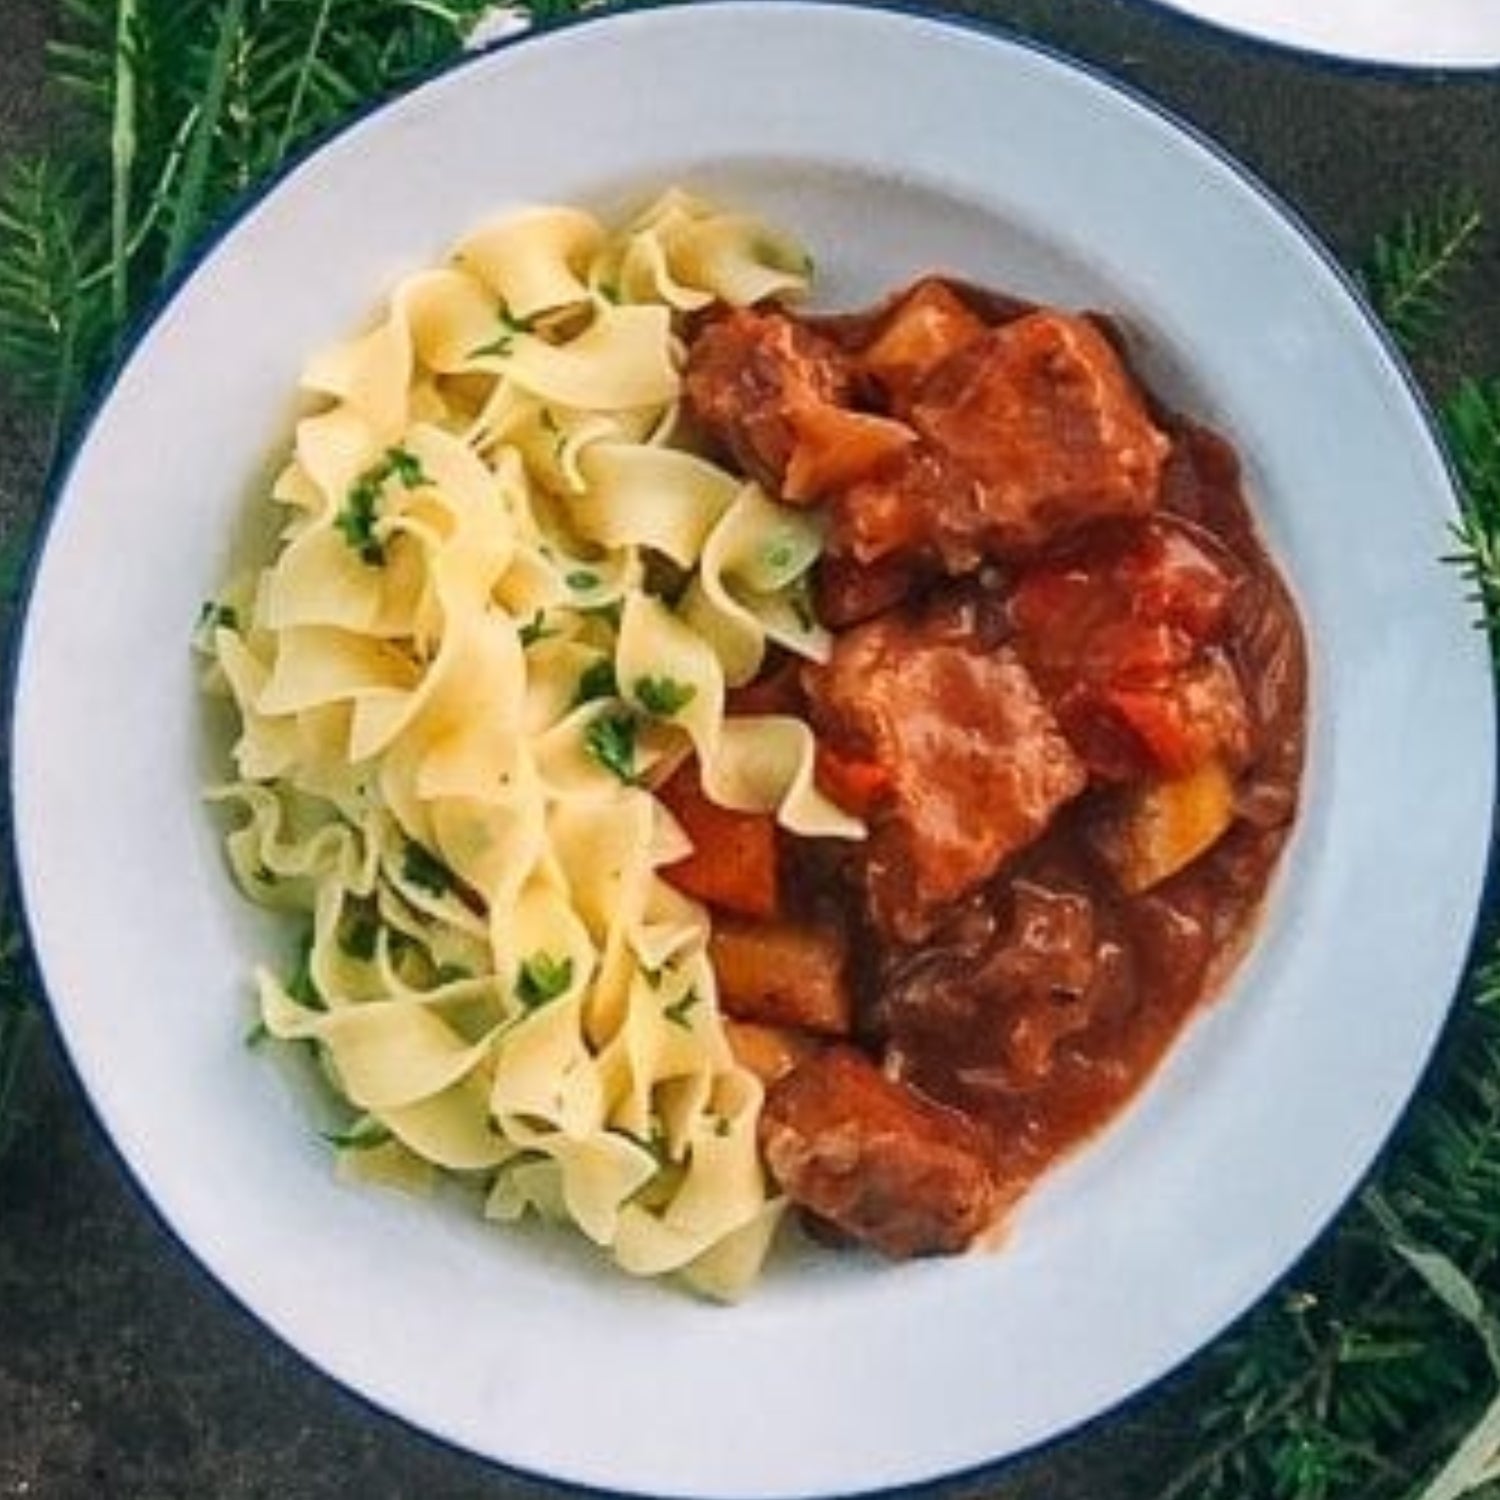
(1412, 268)
(1471, 420)
(122, 151)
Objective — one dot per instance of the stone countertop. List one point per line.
(126, 1374)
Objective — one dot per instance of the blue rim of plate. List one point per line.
(1352, 64)
(56, 486)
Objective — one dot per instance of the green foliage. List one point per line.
(178, 107)
(1471, 419)
(1413, 268)
(55, 319)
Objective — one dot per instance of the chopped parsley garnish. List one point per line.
(536, 629)
(543, 978)
(363, 1135)
(610, 292)
(361, 937)
(611, 741)
(597, 680)
(663, 697)
(361, 510)
(677, 1011)
(405, 466)
(505, 345)
(301, 986)
(582, 580)
(779, 556)
(257, 1035)
(452, 973)
(422, 868)
(216, 616)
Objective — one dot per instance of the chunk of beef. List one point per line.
(876, 1159)
(776, 396)
(977, 765)
(963, 1020)
(747, 372)
(846, 592)
(1044, 418)
(1123, 637)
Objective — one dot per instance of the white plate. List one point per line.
(1397, 33)
(893, 144)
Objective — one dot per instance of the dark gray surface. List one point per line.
(124, 1372)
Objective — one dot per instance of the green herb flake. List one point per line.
(611, 741)
(361, 938)
(407, 467)
(536, 629)
(503, 346)
(216, 616)
(361, 510)
(779, 556)
(663, 697)
(542, 979)
(363, 1135)
(581, 581)
(597, 680)
(257, 1035)
(301, 986)
(423, 869)
(452, 974)
(678, 1012)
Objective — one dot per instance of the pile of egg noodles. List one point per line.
(507, 599)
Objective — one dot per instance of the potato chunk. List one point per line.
(1152, 831)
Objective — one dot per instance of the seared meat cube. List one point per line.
(976, 761)
(1044, 417)
(1122, 637)
(970, 1020)
(776, 396)
(924, 326)
(782, 974)
(875, 1159)
(912, 510)
(846, 592)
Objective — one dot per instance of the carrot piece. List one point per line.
(733, 863)
(856, 785)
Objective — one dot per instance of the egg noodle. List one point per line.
(507, 600)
